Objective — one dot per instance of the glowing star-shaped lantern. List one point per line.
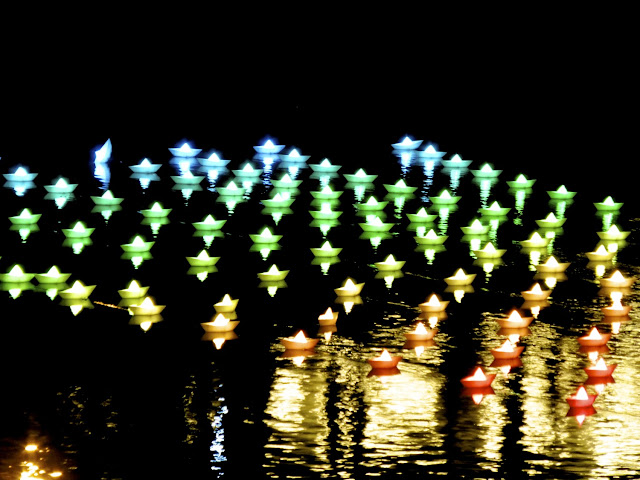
(594, 338)
(61, 186)
(521, 182)
(430, 238)
(349, 288)
(220, 323)
(226, 305)
(600, 369)
(460, 278)
(535, 241)
(329, 317)
(299, 342)
(52, 276)
(608, 205)
(507, 350)
(273, 274)
(535, 293)
(389, 264)
(420, 333)
(133, 290)
(145, 167)
(384, 361)
(514, 320)
(433, 305)
(146, 307)
(185, 151)
(421, 216)
(581, 398)
(489, 252)
(25, 218)
(268, 147)
(561, 193)
(79, 230)
(265, 236)
(202, 260)
(407, 143)
(78, 291)
(16, 275)
(476, 227)
(326, 250)
(495, 210)
(137, 245)
(617, 280)
(486, 171)
(478, 379)
(360, 176)
(400, 187)
(613, 234)
(445, 198)
(552, 266)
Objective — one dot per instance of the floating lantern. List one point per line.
(61, 186)
(407, 143)
(326, 250)
(384, 361)
(156, 211)
(78, 291)
(433, 304)
(299, 342)
(421, 216)
(53, 276)
(265, 236)
(16, 275)
(79, 230)
(551, 221)
(552, 266)
(213, 161)
(146, 307)
(420, 333)
(185, 151)
(325, 166)
(286, 182)
(445, 198)
(187, 180)
(375, 224)
(226, 305)
(268, 147)
(514, 321)
(616, 309)
(220, 323)
(293, 157)
(247, 171)
(478, 379)
(430, 153)
(389, 264)
(329, 317)
(133, 290)
(456, 162)
(106, 199)
(486, 171)
(581, 398)
(594, 338)
(325, 212)
(279, 200)
(613, 234)
(273, 274)
(600, 254)
(489, 252)
(25, 217)
(137, 245)
(231, 190)
(202, 260)
(400, 187)
(520, 182)
(20, 174)
(145, 167)
(608, 205)
(495, 210)
(475, 228)
(209, 223)
(360, 176)
(327, 193)
(561, 193)
(372, 204)
(535, 241)
(600, 369)
(460, 278)
(617, 280)
(430, 238)
(507, 350)
(349, 288)
(535, 293)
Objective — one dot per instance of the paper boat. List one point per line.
(384, 360)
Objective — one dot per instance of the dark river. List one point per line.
(90, 391)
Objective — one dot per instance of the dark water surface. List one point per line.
(102, 398)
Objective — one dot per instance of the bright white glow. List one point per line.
(384, 356)
(478, 374)
(104, 153)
